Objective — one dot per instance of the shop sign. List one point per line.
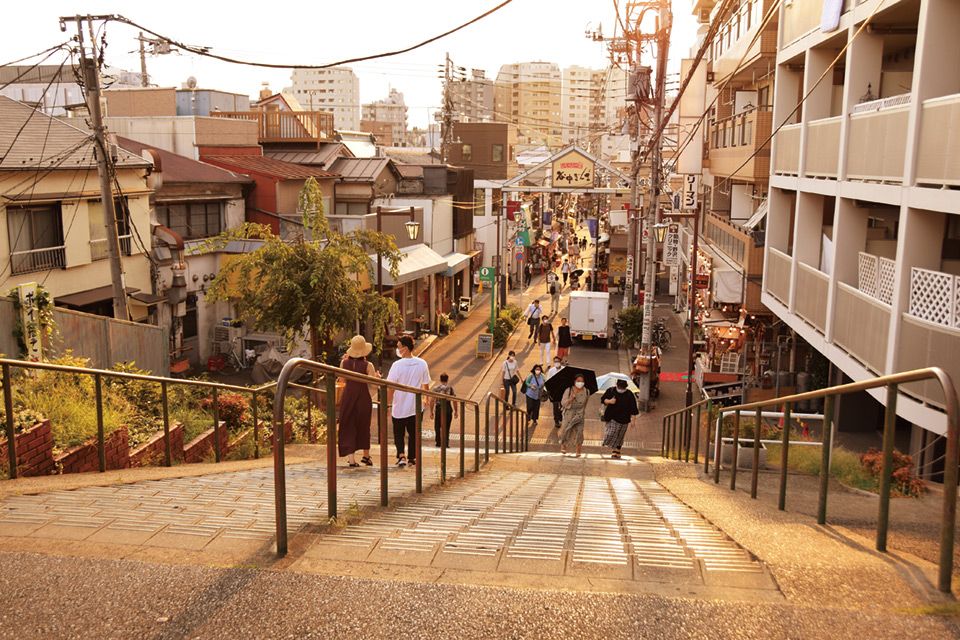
(671, 246)
(702, 281)
(572, 169)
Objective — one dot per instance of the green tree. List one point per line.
(308, 287)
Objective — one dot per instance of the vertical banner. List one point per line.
(671, 246)
(691, 190)
(30, 319)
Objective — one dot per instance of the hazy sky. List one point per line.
(325, 31)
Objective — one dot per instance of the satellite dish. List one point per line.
(191, 83)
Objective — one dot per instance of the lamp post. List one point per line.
(413, 232)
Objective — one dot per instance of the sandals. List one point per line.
(615, 455)
(367, 461)
(353, 465)
(402, 461)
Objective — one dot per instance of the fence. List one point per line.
(677, 428)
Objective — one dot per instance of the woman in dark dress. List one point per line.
(356, 407)
(564, 341)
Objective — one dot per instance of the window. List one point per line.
(497, 153)
(191, 219)
(36, 238)
(98, 233)
(352, 208)
(466, 152)
(479, 204)
(190, 323)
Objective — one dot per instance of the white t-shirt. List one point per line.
(509, 369)
(554, 370)
(412, 372)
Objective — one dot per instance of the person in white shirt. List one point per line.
(412, 372)
(532, 314)
(510, 377)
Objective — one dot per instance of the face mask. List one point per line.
(536, 372)
(511, 358)
(619, 390)
(579, 385)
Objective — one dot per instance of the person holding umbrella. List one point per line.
(620, 411)
(574, 405)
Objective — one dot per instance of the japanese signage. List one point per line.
(29, 317)
(572, 169)
(671, 246)
(487, 274)
(691, 190)
(630, 268)
(618, 264)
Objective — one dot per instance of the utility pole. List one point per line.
(91, 86)
(144, 78)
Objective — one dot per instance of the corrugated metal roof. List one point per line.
(177, 168)
(322, 157)
(269, 167)
(359, 169)
(38, 141)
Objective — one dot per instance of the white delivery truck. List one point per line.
(588, 314)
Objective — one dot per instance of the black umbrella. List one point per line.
(563, 380)
(577, 273)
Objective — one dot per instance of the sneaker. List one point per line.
(401, 462)
(412, 462)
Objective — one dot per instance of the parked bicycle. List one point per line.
(617, 336)
(661, 335)
(227, 362)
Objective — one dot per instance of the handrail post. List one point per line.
(442, 437)
(717, 444)
(463, 436)
(687, 434)
(216, 425)
(167, 450)
(706, 444)
(663, 436)
(101, 453)
(382, 436)
(784, 457)
(486, 428)
(508, 448)
(8, 405)
(675, 445)
(311, 436)
(496, 429)
(476, 438)
(331, 445)
(736, 449)
(256, 427)
(696, 435)
(825, 460)
(418, 424)
(889, 431)
(948, 520)
(756, 455)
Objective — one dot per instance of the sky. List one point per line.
(329, 31)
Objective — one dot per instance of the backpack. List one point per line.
(553, 288)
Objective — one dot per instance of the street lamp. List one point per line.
(413, 232)
(661, 230)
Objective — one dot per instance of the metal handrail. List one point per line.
(891, 382)
(98, 374)
(331, 373)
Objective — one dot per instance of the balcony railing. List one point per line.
(935, 297)
(788, 150)
(813, 288)
(882, 103)
(312, 127)
(38, 260)
(875, 277)
(735, 140)
(878, 141)
(862, 326)
(727, 237)
(938, 162)
(98, 248)
(778, 275)
(921, 341)
(823, 148)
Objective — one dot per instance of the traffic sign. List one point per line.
(509, 244)
(520, 255)
(487, 274)
(520, 242)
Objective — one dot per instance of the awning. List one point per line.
(456, 262)
(418, 261)
(727, 285)
(148, 298)
(90, 296)
(603, 238)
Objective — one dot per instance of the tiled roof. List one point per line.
(269, 167)
(177, 168)
(30, 140)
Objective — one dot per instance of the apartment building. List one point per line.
(580, 105)
(863, 232)
(473, 99)
(391, 110)
(336, 90)
(528, 95)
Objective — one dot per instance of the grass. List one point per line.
(945, 609)
(845, 465)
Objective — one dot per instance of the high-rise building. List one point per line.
(592, 107)
(336, 90)
(390, 110)
(528, 95)
(473, 99)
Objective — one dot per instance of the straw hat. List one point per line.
(359, 347)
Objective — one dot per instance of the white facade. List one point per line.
(392, 110)
(863, 235)
(336, 90)
(528, 95)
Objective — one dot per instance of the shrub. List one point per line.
(904, 480)
(844, 465)
(631, 324)
(22, 420)
(232, 408)
(506, 322)
(295, 409)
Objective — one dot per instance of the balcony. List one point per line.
(287, 127)
(938, 162)
(734, 142)
(788, 151)
(778, 275)
(823, 148)
(38, 260)
(878, 142)
(813, 288)
(875, 277)
(734, 50)
(98, 248)
(925, 344)
(862, 327)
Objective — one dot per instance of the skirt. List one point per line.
(571, 431)
(613, 437)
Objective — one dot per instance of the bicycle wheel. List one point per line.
(665, 339)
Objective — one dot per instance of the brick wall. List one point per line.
(199, 447)
(153, 451)
(34, 451)
(84, 458)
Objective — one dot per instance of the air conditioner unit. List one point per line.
(226, 334)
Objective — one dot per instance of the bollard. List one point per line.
(735, 450)
(331, 445)
(784, 457)
(825, 460)
(756, 455)
(889, 430)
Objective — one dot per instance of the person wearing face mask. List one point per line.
(532, 388)
(574, 405)
(510, 377)
(557, 412)
(412, 372)
(620, 411)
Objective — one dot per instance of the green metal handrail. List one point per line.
(892, 383)
(98, 375)
(331, 373)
